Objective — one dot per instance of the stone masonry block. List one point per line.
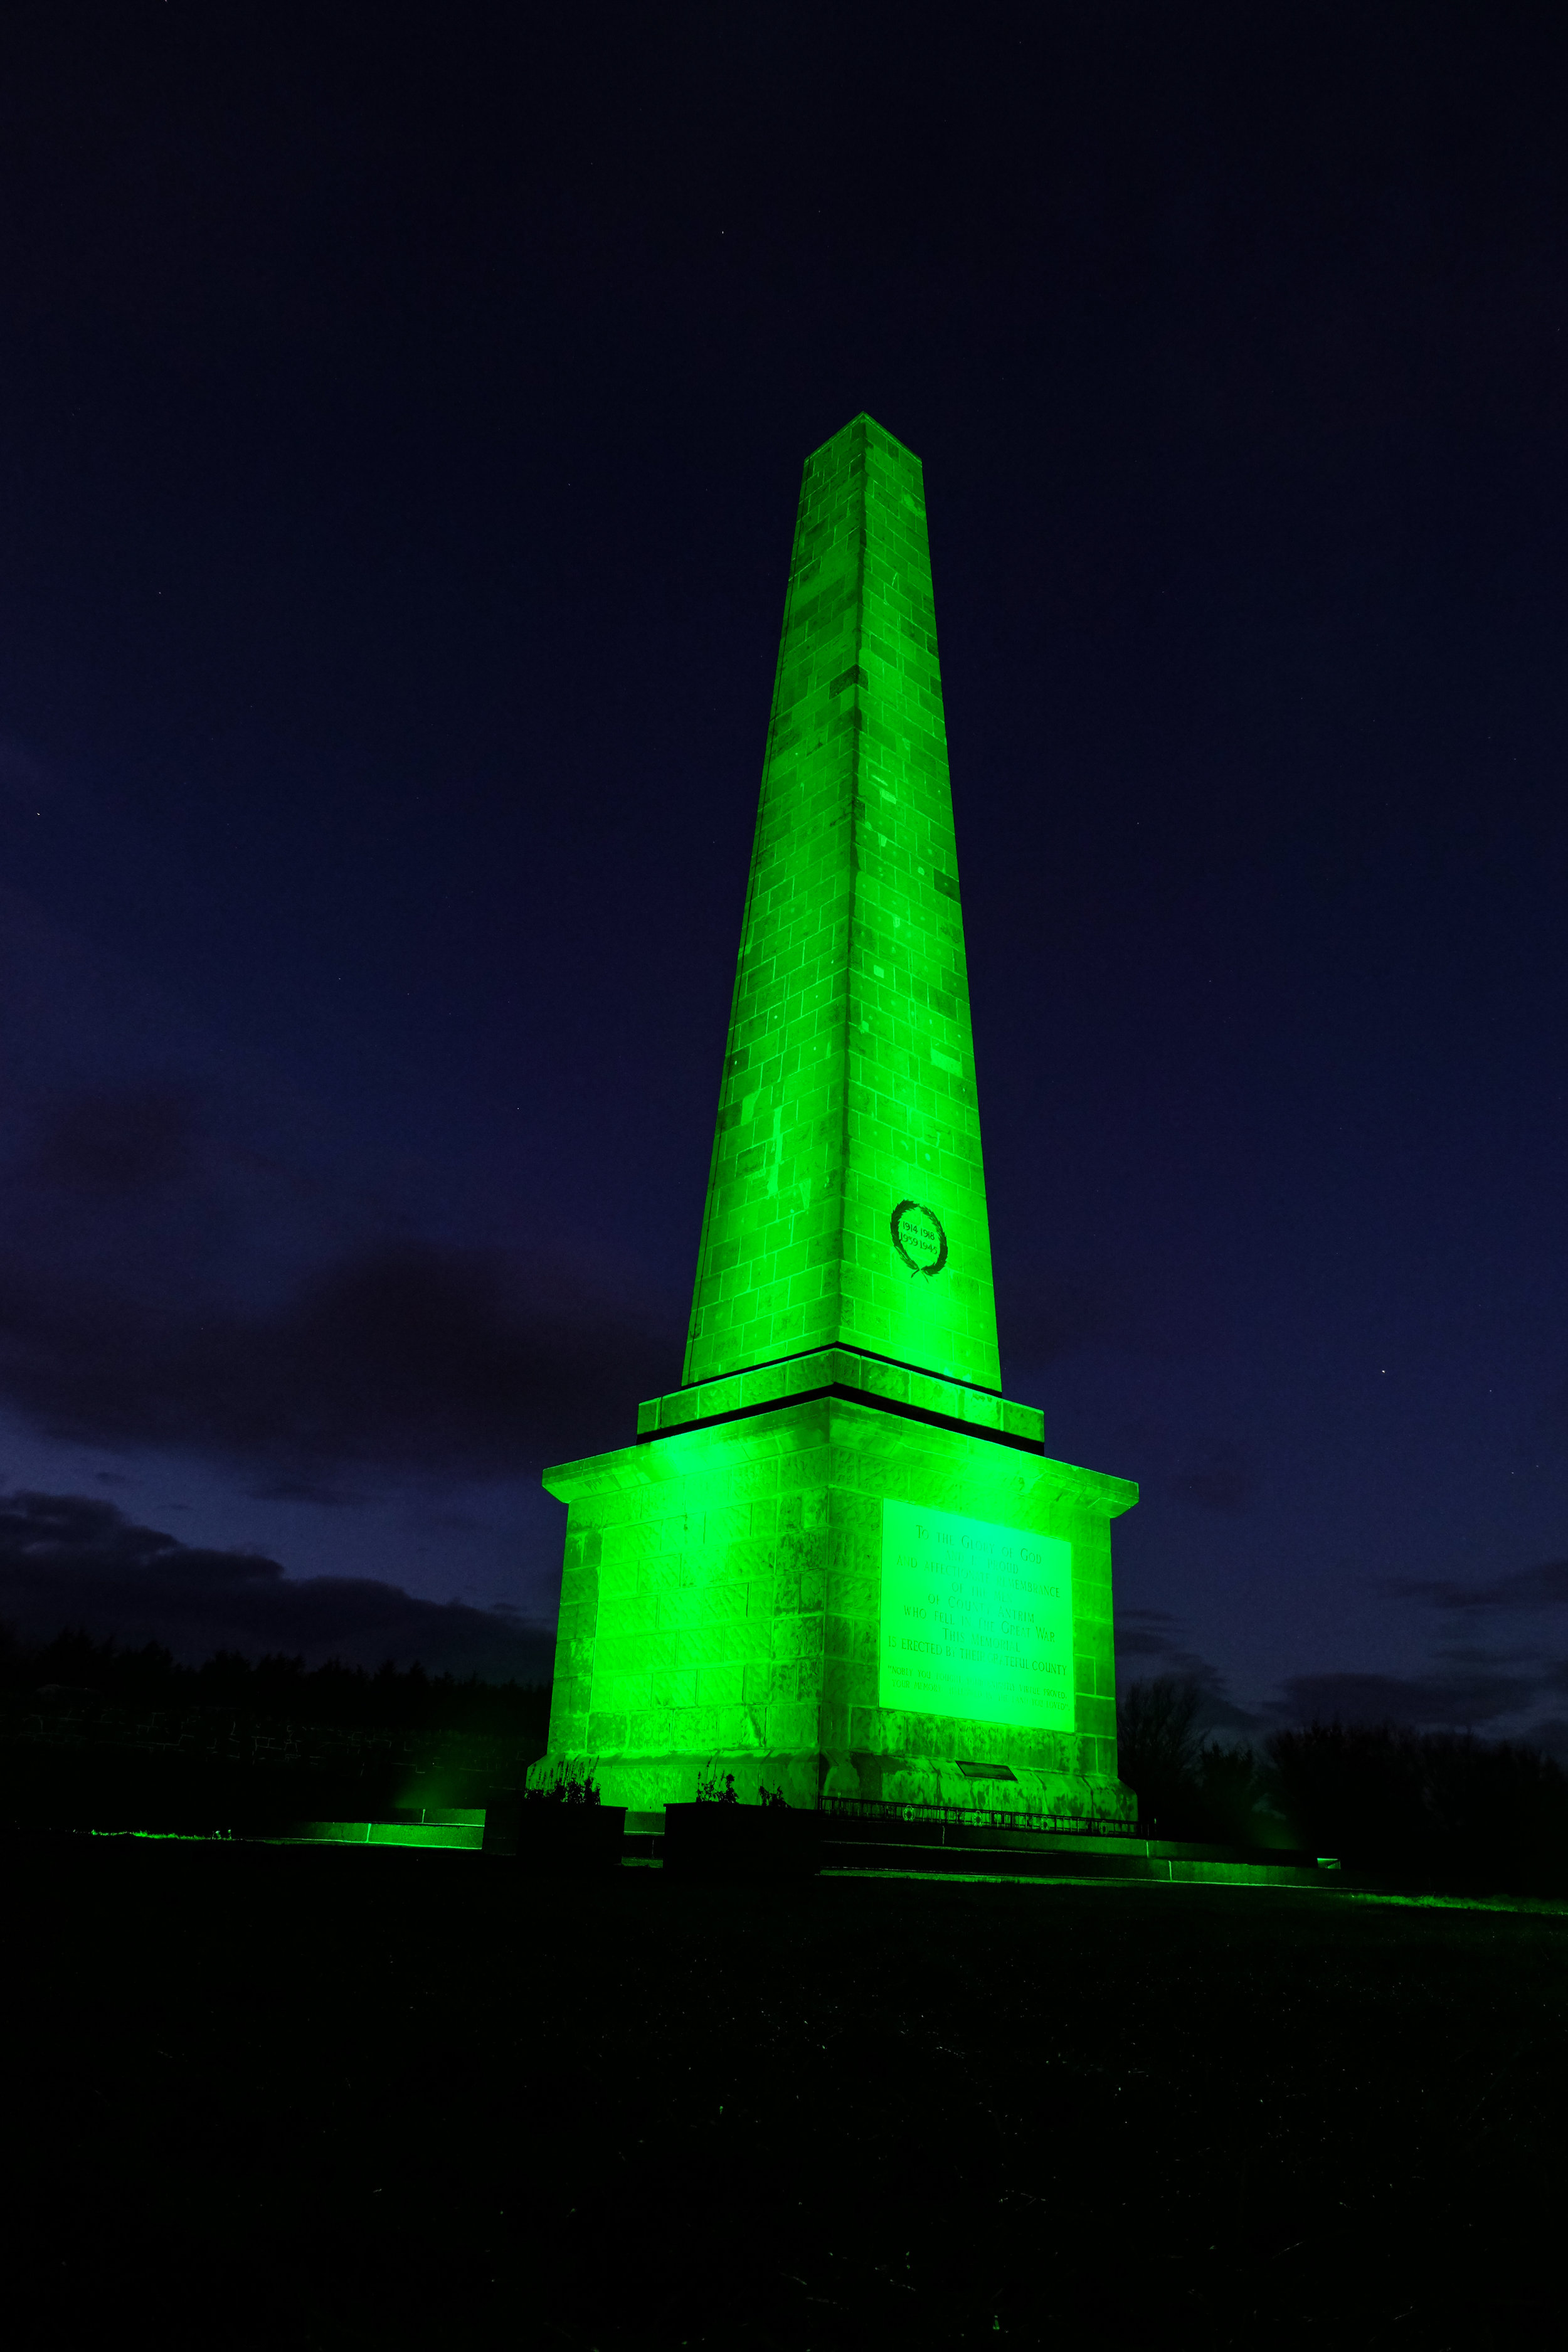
(679, 1609)
(851, 1682)
(694, 1729)
(855, 1595)
(851, 1637)
(705, 1646)
(673, 1687)
(796, 1637)
(790, 1724)
(716, 1601)
(649, 1729)
(628, 1613)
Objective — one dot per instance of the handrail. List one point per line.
(877, 1809)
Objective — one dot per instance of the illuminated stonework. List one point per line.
(742, 1585)
(847, 1201)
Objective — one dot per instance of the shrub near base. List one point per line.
(571, 1841)
(722, 1841)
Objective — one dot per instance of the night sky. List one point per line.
(402, 412)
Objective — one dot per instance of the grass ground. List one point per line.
(323, 2097)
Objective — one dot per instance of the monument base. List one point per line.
(645, 1784)
(738, 1593)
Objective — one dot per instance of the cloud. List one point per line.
(75, 1559)
(24, 783)
(142, 1305)
(1042, 1317)
(121, 1142)
(1544, 1586)
(1550, 1422)
(409, 1357)
(1446, 1701)
(1469, 1689)
(1223, 1478)
(1149, 1644)
(1153, 1633)
(1045, 1313)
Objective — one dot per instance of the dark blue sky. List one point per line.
(401, 421)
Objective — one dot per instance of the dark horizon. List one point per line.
(400, 469)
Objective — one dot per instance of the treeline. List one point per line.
(1435, 1809)
(75, 1669)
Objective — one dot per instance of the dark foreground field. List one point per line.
(308, 2096)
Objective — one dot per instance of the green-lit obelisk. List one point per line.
(835, 1558)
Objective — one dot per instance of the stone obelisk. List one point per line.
(837, 1560)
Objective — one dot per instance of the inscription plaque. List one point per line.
(976, 1620)
(919, 1237)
